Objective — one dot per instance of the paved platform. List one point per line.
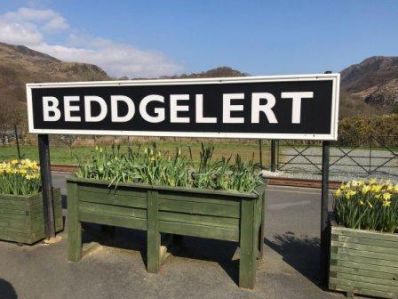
(200, 269)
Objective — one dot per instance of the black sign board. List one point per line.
(276, 107)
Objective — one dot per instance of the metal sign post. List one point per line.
(17, 142)
(46, 183)
(325, 211)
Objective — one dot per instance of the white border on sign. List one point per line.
(335, 77)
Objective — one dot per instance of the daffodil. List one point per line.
(372, 181)
(386, 203)
(376, 188)
(387, 196)
(366, 189)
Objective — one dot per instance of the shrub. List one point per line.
(151, 166)
(357, 130)
(369, 205)
(19, 177)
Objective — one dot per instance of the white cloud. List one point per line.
(44, 18)
(116, 59)
(30, 27)
(21, 34)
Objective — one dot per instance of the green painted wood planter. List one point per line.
(193, 212)
(363, 262)
(22, 217)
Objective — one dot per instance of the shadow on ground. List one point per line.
(300, 253)
(7, 291)
(218, 251)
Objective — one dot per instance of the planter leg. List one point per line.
(74, 225)
(153, 234)
(248, 245)
(262, 226)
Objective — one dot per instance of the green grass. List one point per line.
(66, 155)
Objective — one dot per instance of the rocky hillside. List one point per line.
(222, 71)
(370, 87)
(373, 82)
(20, 65)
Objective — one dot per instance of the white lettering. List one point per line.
(68, 108)
(265, 108)
(115, 109)
(200, 119)
(88, 100)
(53, 108)
(228, 107)
(160, 114)
(296, 103)
(175, 108)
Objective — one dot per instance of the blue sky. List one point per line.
(151, 38)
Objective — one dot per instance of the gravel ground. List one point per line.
(360, 163)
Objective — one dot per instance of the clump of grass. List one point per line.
(149, 165)
(224, 175)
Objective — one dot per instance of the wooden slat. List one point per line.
(8, 234)
(14, 205)
(361, 278)
(362, 291)
(356, 285)
(114, 210)
(199, 208)
(363, 266)
(366, 254)
(348, 232)
(365, 241)
(201, 198)
(199, 219)
(364, 260)
(336, 270)
(357, 246)
(196, 230)
(12, 212)
(86, 215)
(18, 224)
(136, 199)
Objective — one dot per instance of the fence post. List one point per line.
(17, 140)
(274, 156)
(370, 154)
(46, 185)
(324, 254)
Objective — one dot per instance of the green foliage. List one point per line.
(369, 205)
(357, 130)
(149, 165)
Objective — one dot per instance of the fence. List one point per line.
(377, 158)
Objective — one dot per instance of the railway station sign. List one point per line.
(272, 107)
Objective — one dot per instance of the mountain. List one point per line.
(222, 71)
(20, 65)
(370, 87)
(373, 82)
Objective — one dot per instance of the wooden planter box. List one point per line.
(363, 262)
(183, 211)
(22, 217)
